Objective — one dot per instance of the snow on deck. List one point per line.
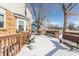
(47, 46)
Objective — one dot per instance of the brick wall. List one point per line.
(10, 22)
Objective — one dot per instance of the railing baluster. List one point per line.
(14, 44)
(0, 48)
(10, 46)
(4, 47)
(7, 46)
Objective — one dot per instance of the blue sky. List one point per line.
(56, 15)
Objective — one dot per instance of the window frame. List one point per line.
(4, 19)
(25, 24)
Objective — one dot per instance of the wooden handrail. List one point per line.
(11, 44)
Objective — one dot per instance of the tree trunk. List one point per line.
(65, 23)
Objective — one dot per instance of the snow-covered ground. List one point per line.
(47, 46)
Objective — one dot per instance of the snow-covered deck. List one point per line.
(47, 46)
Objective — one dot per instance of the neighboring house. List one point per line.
(15, 17)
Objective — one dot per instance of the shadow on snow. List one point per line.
(56, 49)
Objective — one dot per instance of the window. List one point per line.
(21, 25)
(1, 20)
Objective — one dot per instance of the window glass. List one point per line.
(21, 26)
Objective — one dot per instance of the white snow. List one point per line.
(47, 46)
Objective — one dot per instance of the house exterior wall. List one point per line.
(11, 20)
(15, 7)
(9, 35)
(29, 15)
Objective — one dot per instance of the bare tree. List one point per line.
(72, 26)
(67, 7)
(40, 12)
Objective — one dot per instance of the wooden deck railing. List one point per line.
(71, 36)
(53, 33)
(11, 44)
